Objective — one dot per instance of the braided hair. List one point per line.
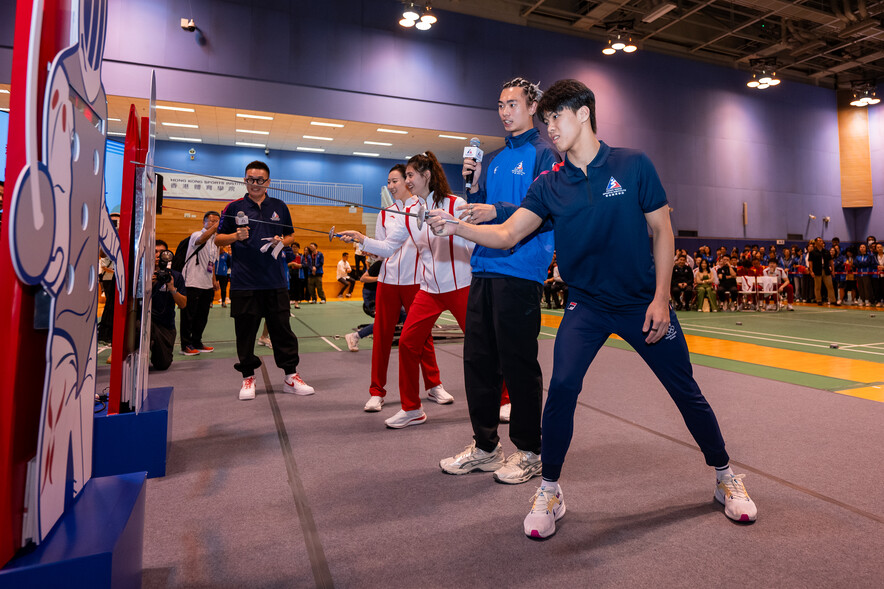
(533, 93)
(438, 182)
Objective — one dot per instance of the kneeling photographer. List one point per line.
(168, 291)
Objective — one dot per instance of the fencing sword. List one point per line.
(421, 215)
(331, 233)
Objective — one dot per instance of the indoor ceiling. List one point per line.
(830, 43)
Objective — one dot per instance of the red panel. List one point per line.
(124, 325)
(23, 362)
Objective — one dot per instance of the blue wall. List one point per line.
(715, 142)
(219, 160)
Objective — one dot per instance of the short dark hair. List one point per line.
(258, 165)
(398, 168)
(344, 255)
(162, 243)
(209, 214)
(295, 244)
(570, 94)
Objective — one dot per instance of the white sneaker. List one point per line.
(519, 467)
(440, 395)
(547, 507)
(375, 403)
(265, 341)
(405, 418)
(505, 412)
(247, 392)
(294, 384)
(473, 458)
(731, 493)
(791, 308)
(352, 341)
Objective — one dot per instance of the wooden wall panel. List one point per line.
(855, 150)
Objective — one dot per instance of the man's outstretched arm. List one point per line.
(504, 236)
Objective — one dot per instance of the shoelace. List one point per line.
(735, 486)
(249, 381)
(543, 501)
(298, 379)
(516, 458)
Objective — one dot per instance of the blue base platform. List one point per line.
(97, 543)
(131, 442)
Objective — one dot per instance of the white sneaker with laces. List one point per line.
(405, 418)
(295, 384)
(352, 341)
(375, 403)
(505, 411)
(547, 507)
(519, 467)
(265, 341)
(247, 392)
(731, 493)
(440, 395)
(473, 458)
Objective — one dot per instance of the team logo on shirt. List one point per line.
(274, 216)
(572, 305)
(671, 332)
(519, 170)
(495, 169)
(613, 189)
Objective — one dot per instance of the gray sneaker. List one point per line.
(473, 458)
(520, 467)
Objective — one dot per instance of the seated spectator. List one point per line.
(553, 286)
(343, 275)
(782, 284)
(682, 285)
(728, 291)
(704, 283)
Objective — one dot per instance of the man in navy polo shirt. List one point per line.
(598, 196)
(259, 279)
(503, 310)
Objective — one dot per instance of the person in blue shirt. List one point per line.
(222, 272)
(259, 280)
(598, 196)
(503, 309)
(313, 265)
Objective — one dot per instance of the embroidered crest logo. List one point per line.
(274, 216)
(613, 189)
(572, 305)
(519, 170)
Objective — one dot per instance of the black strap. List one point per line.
(195, 252)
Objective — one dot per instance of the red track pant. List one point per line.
(424, 311)
(388, 302)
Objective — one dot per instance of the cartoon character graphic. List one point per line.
(57, 220)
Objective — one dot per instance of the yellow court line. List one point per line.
(874, 393)
(861, 371)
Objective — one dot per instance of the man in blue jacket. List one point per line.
(503, 310)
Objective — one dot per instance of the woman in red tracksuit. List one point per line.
(398, 282)
(445, 275)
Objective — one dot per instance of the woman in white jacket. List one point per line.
(445, 275)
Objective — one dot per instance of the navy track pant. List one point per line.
(581, 334)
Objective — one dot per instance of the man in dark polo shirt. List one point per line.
(821, 267)
(167, 292)
(258, 279)
(598, 196)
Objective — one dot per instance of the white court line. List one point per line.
(326, 340)
(742, 332)
(805, 318)
(101, 349)
(552, 335)
(781, 341)
(862, 345)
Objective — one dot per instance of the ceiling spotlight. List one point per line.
(410, 13)
(422, 25)
(620, 38)
(406, 22)
(764, 74)
(864, 94)
(428, 16)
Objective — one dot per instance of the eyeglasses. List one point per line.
(258, 181)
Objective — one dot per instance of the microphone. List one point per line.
(241, 219)
(476, 154)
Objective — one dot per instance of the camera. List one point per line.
(163, 272)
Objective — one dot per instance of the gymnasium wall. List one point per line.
(716, 143)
